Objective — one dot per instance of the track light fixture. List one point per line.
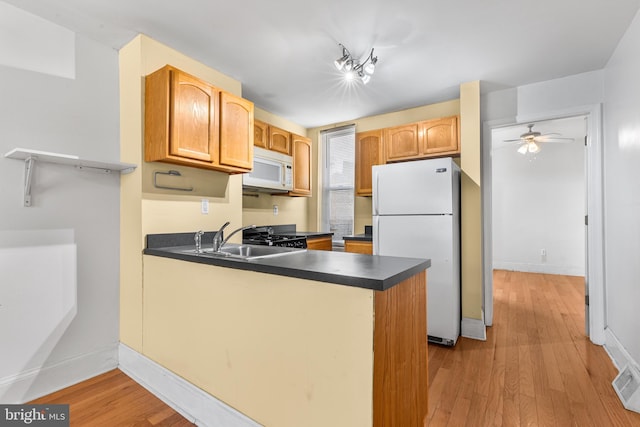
(352, 68)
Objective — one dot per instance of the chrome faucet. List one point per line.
(218, 243)
(217, 239)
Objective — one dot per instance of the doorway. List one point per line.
(539, 199)
(573, 252)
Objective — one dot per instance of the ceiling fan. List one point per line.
(530, 140)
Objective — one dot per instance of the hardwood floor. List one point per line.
(535, 369)
(113, 399)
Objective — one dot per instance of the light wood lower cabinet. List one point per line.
(358, 246)
(320, 243)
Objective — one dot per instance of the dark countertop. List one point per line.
(288, 230)
(360, 237)
(311, 234)
(350, 269)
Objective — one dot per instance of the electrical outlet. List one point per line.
(275, 210)
(204, 206)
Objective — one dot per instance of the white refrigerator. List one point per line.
(416, 214)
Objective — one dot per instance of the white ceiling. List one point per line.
(283, 51)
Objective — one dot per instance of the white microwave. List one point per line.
(272, 172)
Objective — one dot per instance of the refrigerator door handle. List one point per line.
(375, 192)
(376, 235)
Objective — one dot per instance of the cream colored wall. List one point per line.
(468, 107)
(471, 202)
(291, 210)
(258, 209)
(362, 205)
(286, 352)
(145, 212)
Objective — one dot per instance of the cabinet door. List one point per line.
(358, 247)
(236, 131)
(279, 140)
(368, 153)
(401, 142)
(320, 243)
(440, 136)
(301, 149)
(194, 118)
(260, 134)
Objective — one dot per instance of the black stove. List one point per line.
(269, 237)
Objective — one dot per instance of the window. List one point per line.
(338, 182)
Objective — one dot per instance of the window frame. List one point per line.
(327, 135)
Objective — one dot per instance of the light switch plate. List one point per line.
(204, 206)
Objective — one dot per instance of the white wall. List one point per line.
(622, 175)
(538, 202)
(539, 101)
(72, 116)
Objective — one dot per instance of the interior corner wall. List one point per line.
(622, 201)
(362, 205)
(77, 116)
(145, 213)
(471, 202)
(260, 209)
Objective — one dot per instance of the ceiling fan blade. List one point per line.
(512, 140)
(554, 139)
(548, 134)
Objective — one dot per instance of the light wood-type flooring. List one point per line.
(114, 400)
(536, 368)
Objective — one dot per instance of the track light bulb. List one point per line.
(339, 63)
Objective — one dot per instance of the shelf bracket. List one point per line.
(29, 164)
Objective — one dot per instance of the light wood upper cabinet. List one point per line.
(279, 140)
(260, 134)
(271, 137)
(440, 136)
(301, 151)
(369, 152)
(402, 142)
(186, 124)
(429, 138)
(236, 131)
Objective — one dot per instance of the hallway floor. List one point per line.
(536, 367)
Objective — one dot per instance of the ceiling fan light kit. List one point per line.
(530, 140)
(353, 68)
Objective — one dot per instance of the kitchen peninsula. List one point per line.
(311, 338)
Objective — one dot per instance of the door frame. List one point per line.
(594, 244)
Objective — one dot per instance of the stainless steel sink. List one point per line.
(246, 251)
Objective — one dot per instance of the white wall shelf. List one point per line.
(31, 156)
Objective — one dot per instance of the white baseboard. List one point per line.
(538, 268)
(473, 328)
(26, 386)
(618, 354)
(627, 367)
(193, 403)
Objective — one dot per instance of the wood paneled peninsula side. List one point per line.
(314, 338)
